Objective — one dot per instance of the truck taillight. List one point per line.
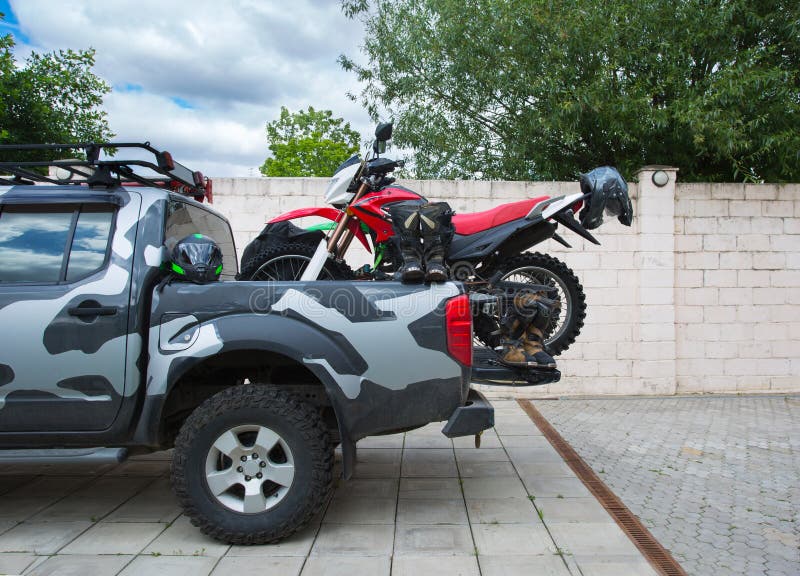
(459, 329)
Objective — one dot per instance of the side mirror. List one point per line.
(379, 146)
(384, 131)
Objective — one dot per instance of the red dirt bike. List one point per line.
(488, 247)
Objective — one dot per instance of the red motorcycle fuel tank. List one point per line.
(370, 209)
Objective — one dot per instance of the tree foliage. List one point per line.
(308, 143)
(542, 89)
(53, 98)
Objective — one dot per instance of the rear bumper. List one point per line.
(475, 416)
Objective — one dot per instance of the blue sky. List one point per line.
(201, 78)
(10, 23)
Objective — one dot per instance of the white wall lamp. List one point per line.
(660, 178)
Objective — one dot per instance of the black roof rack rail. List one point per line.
(94, 172)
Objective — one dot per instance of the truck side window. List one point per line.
(32, 244)
(184, 219)
(35, 243)
(89, 244)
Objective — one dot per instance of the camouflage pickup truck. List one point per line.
(252, 383)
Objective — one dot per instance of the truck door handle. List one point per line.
(92, 311)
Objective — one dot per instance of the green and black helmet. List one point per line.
(197, 258)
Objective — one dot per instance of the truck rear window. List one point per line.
(184, 219)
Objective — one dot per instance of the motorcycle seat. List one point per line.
(466, 224)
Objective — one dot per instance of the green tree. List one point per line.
(542, 89)
(308, 143)
(53, 98)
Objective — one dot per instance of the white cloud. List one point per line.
(202, 77)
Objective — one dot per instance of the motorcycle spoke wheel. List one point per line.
(537, 268)
(288, 267)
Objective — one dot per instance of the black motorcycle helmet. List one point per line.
(608, 192)
(197, 259)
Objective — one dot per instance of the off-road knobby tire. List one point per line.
(295, 421)
(337, 269)
(576, 313)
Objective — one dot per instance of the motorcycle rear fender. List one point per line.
(508, 239)
(328, 214)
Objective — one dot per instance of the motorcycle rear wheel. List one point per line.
(538, 268)
(287, 261)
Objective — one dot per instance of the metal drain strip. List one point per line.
(658, 556)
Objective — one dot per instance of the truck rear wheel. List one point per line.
(252, 465)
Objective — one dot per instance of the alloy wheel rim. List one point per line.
(249, 469)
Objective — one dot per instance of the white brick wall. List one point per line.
(741, 337)
(701, 294)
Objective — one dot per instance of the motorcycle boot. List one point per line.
(405, 219)
(521, 330)
(538, 311)
(437, 232)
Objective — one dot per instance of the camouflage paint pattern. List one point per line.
(379, 349)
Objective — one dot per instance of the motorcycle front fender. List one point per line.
(328, 214)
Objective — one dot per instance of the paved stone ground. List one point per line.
(420, 504)
(716, 479)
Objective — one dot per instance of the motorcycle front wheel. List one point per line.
(538, 268)
(287, 261)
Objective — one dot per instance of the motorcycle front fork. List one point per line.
(335, 246)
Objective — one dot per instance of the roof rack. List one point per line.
(94, 172)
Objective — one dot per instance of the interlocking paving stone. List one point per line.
(533, 454)
(429, 488)
(183, 539)
(411, 511)
(94, 501)
(713, 478)
(12, 563)
(486, 470)
(512, 539)
(240, 566)
(356, 510)
(592, 538)
(488, 440)
(30, 498)
(339, 566)
(367, 488)
(388, 441)
(297, 545)
(547, 565)
(8, 483)
(141, 468)
(501, 511)
(6, 525)
(422, 462)
(378, 463)
(440, 565)
(594, 565)
(114, 538)
(170, 566)
(433, 540)
(564, 486)
(561, 510)
(503, 487)
(426, 441)
(472, 456)
(156, 503)
(41, 538)
(353, 540)
(80, 566)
